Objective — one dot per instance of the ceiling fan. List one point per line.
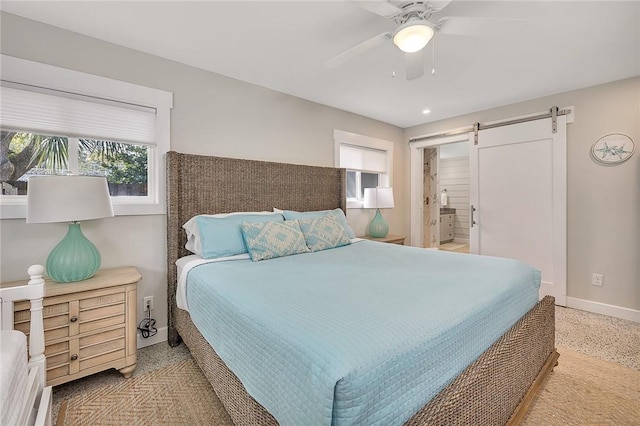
(415, 30)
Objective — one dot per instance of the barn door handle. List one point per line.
(473, 222)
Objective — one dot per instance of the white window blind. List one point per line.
(363, 159)
(75, 116)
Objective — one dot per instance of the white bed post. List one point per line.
(36, 332)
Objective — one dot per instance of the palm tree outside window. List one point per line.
(22, 154)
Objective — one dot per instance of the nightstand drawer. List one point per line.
(104, 336)
(100, 348)
(100, 313)
(22, 313)
(54, 361)
(102, 359)
(101, 323)
(56, 348)
(109, 299)
(55, 334)
(54, 373)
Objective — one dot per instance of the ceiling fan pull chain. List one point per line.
(393, 61)
(433, 70)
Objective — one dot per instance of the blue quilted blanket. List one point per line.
(364, 334)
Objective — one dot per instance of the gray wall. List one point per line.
(213, 115)
(603, 202)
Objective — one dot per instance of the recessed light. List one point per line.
(426, 111)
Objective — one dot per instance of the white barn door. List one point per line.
(518, 188)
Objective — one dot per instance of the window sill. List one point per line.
(355, 204)
(17, 209)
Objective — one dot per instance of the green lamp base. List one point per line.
(378, 228)
(75, 258)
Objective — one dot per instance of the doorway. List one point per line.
(445, 186)
(444, 191)
(453, 195)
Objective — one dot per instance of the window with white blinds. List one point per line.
(60, 113)
(82, 118)
(369, 163)
(354, 157)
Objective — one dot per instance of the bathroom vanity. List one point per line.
(447, 224)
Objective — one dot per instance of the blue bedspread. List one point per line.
(365, 334)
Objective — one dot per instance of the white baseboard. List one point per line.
(160, 336)
(604, 309)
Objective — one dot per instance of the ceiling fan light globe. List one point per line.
(413, 37)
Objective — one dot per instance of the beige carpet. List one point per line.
(177, 394)
(582, 390)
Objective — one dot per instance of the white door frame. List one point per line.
(416, 150)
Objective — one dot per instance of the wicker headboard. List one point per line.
(198, 184)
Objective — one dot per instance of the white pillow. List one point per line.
(194, 242)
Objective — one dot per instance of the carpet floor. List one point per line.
(177, 394)
(582, 390)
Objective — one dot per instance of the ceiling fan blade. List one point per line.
(357, 49)
(414, 64)
(438, 5)
(380, 7)
(466, 25)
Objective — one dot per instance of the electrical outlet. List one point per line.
(596, 279)
(148, 303)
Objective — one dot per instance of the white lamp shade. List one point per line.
(67, 199)
(378, 198)
(413, 36)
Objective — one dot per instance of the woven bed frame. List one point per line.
(498, 388)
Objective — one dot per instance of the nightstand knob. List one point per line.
(74, 357)
(73, 319)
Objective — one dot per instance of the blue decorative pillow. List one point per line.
(338, 213)
(268, 240)
(222, 236)
(323, 233)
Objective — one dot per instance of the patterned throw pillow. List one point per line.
(338, 213)
(268, 240)
(323, 233)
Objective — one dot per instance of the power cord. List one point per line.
(147, 326)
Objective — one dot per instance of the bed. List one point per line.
(24, 398)
(495, 388)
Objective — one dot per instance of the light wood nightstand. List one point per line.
(390, 238)
(89, 326)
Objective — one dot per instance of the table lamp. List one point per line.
(69, 199)
(378, 198)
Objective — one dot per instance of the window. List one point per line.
(368, 162)
(125, 165)
(357, 181)
(58, 121)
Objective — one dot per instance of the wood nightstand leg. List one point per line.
(127, 371)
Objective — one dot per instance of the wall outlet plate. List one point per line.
(597, 279)
(148, 303)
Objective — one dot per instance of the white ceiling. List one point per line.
(283, 45)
